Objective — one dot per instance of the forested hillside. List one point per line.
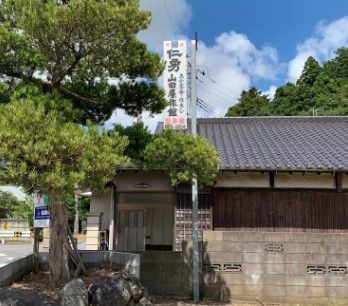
(323, 88)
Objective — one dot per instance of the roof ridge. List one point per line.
(280, 118)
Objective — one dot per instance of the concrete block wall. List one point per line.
(290, 267)
(166, 273)
(15, 270)
(94, 221)
(107, 259)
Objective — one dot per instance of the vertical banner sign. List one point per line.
(175, 84)
(41, 215)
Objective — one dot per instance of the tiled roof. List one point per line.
(279, 143)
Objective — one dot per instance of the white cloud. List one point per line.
(119, 116)
(162, 28)
(270, 92)
(328, 37)
(257, 63)
(17, 191)
(233, 62)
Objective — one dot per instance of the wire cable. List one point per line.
(214, 88)
(170, 19)
(228, 104)
(208, 107)
(208, 76)
(202, 107)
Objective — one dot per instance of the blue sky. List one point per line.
(280, 23)
(247, 43)
(277, 23)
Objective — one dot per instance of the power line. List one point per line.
(222, 98)
(214, 88)
(205, 110)
(170, 19)
(208, 108)
(208, 76)
(201, 106)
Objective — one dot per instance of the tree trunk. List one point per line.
(58, 254)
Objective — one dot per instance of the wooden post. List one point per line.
(338, 181)
(36, 250)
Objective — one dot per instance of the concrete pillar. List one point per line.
(93, 227)
(46, 239)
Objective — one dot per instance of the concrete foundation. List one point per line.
(16, 270)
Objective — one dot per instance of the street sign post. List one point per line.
(41, 214)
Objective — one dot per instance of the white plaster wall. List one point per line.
(102, 203)
(128, 180)
(308, 180)
(243, 179)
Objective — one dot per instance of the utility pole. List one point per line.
(76, 220)
(195, 246)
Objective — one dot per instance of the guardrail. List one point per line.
(13, 234)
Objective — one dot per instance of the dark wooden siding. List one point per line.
(274, 209)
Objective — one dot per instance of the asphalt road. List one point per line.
(10, 252)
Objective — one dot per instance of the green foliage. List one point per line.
(250, 103)
(11, 207)
(324, 89)
(184, 156)
(311, 71)
(83, 210)
(73, 48)
(338, 66)
(139, 137)
(43, 153)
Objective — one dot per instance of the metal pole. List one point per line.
(195, 246)
(112, 218)
(76, 220)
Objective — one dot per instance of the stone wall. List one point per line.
(301, 267)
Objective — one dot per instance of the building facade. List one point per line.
(273, 225)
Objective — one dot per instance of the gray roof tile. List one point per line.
(279, 143)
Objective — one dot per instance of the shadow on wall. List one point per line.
(212, 283)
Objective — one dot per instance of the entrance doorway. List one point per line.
(131, 230)
(159, 229)
(145, 227)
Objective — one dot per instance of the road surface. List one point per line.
(10, 252)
